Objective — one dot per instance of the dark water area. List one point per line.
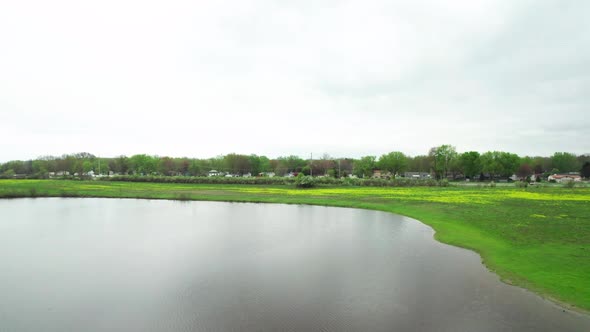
(139, 265)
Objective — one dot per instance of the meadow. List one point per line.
(536, 237)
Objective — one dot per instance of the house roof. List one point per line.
(561, 176)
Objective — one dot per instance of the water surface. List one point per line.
(139, 265)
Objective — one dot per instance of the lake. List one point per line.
(146, 265)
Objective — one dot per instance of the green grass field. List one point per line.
(536, 238)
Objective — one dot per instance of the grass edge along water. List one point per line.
(537, 238)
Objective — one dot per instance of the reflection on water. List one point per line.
(136, 265)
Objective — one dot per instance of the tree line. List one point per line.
(440, 162)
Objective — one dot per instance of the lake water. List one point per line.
(139, 265)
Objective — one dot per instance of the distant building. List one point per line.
(559, 178)
(417, 175)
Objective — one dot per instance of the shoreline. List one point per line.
(443, 218)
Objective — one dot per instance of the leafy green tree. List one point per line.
(443, 156)
(585, 171)
(65, 164)
(77, 167)
(305, 170)
(345, 166)
(264, 164)
(237, 163)
(217, 163)
(254, 164)
(565, 162)
(420, 163)
(8, 173)
(101, 166)
(364, 167)
(40, 168)
(394, 162)
(143, 164)
(166, 166)
(498, 163)
(86, 166)
(509, 163)
(289, 164)
(181, 166)
(490, 164)
(539, 164)
(583, 159)
(119, 165)
(195, 168)
(17, 166)
(258, 164)
(469, 164)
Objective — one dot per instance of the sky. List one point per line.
(346, 78)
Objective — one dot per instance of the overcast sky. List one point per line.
(347, 78)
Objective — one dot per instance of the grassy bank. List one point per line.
(537, 238)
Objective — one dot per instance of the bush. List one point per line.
(305, 182)
(9, 174)
(521, 184)
(569, 184)
(306, 170)
(326, 181)
(204, 180)
(443, 183)
(492, 184)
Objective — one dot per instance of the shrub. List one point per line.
(305, 182)
(443, 183)
(521, 184)
(204, 180)
(9, 174)
(327, 181)
(569, 184)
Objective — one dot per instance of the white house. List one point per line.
(214, 173)
(559, 178)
